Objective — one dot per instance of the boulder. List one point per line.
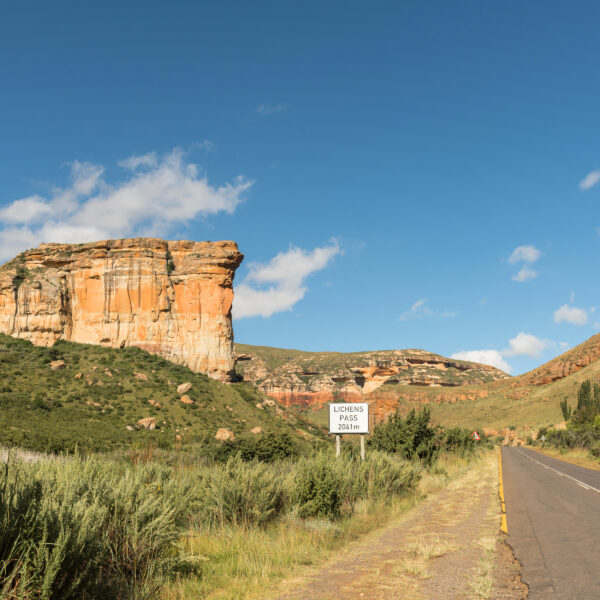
(224, 435)
(154, 403)
(148, 423)
(57, 364)
(257, 430)
(78, 375)
(186, 399)
(184, 388)
(140, 376)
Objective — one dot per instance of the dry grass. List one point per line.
(243, 563)
(576, 456)
(430, 548)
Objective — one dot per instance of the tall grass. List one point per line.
(77, 528)
(74, 527)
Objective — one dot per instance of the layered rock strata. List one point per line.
(171, 298)
(313, 379)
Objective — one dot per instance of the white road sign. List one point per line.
(349, 418)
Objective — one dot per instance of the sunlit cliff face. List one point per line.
(169, 298)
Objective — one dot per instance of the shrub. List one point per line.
(329, 488)
(267, 448)
(319, 487)
(72, 528)
(238, 492)
(410, 437)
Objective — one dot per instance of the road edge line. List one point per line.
(565, 460)
(503, 523)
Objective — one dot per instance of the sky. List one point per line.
(397, 174)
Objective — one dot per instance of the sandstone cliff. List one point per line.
(312, 379)
(169, 298)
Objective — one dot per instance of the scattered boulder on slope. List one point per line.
(184, 388)
(148, 423)
(224, 435)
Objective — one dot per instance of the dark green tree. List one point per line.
(566, 409)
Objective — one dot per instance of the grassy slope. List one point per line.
(48, 410)
(518, 401)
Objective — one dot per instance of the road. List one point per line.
(553, 515)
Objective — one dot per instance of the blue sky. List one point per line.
(397, 174)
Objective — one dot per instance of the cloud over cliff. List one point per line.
(157, 193)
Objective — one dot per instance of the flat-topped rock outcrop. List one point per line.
(171, 298)
(312, 379)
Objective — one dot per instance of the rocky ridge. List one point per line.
(171, 298)
(564, 365)
(312, 379)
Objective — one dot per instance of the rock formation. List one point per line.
(564, 365)
(313, 379)
(169, 298)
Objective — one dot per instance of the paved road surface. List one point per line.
(553, 514)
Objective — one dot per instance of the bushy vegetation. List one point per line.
(413, 437)
(583, 421)
(266, 448)
(73, 527)
(327, 488)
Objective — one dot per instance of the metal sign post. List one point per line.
(352, 417)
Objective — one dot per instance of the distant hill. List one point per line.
(458, 392)
(96, 399)
(566, 364)
(310, 379)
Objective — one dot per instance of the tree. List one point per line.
(566, 409)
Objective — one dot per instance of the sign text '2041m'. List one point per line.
(349, 418)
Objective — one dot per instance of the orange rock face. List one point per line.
(169, 298)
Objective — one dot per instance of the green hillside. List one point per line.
(96, 400)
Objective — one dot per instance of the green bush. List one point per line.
(319, 487)
(329, 488)
(410, 437)
(238, 492)
(72, 528)
(267, 448)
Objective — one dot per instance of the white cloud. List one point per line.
(570, 314)
(270, 109)
(528, 254)
(487, 357)
(25, 210)
(523, 344)
(525, 274)
(590, 180)
(144, 160)
(160, 193)
(526, 344)
(278, 285)
(419, 310)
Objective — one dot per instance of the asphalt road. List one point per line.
(553, 517)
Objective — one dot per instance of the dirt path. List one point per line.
(448, 547)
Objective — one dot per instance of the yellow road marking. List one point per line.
(503, 524)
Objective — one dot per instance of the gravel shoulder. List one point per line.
(448, 547)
